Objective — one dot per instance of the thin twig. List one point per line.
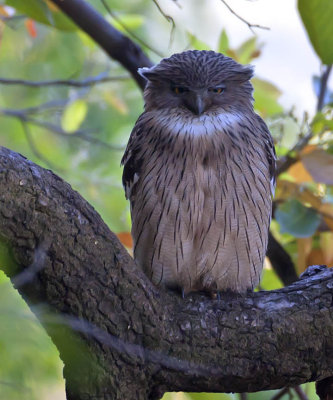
(133, 35)
(323, 86)
(62, 82)
(249, 24)
(169, 19)
(288, 160)
(34, 149)
(300, 393)
(24, 117)
(280, 394)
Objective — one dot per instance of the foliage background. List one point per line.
(81, 132)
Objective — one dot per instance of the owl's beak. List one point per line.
(196, 103)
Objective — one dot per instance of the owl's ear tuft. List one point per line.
(245, 73)
(148, 73)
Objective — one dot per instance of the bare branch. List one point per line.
(126, 29)
(169, 19)
(65, 82)
(300, 393)
(323, 86)
(24, 117)
(249, 24)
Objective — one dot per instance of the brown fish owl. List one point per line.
(199, 174)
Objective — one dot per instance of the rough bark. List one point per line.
(122, 338)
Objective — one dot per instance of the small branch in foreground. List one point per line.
(63, 82)
(249, 24)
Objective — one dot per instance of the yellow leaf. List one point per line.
(116, 102)
(3, 11)
(73, 115)
(304, 246)
(326, 245)
(299, 173)
(315, 257)
(52, 6)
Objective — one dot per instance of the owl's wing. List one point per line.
(131, 160)
(270, 152)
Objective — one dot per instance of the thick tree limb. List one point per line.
(118, 46)
(135, 341)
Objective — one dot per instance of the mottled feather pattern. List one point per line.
(200, 188)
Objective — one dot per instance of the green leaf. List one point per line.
(129, 21)
(223, 44)
(197, 43)
(265, 97)
(39, 11)
(74, 115)
(296, 219)
(246, 50)
(317, 16)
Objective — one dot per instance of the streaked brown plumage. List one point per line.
(199, 173)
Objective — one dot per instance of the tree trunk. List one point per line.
(122, 338)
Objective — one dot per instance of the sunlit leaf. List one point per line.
(265, 97)
(291, 132)
(299, 173)
(129, 21)
(39, 11)
(326, 246)
(247, 51)
(116, 102)
(317, 16)
(304, 246)
(197, 43)
(319, 164)
(223, 44)
(73, 116)
(296, 219)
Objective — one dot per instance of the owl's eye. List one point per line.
(217, 89)
(179, 89)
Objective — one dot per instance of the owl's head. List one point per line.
(198, 82)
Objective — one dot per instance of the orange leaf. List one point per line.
(30, 25)
(316, 257)
(3, 11)
(126, 239)
(326, 246)
(304, 246)
(51, 6)
(299, 173)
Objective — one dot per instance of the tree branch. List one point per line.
(121, 337)
(249, 24)
(118, 46)
(91, 81)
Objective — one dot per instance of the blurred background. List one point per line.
(79, 129)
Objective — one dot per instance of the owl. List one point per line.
(199, 174)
